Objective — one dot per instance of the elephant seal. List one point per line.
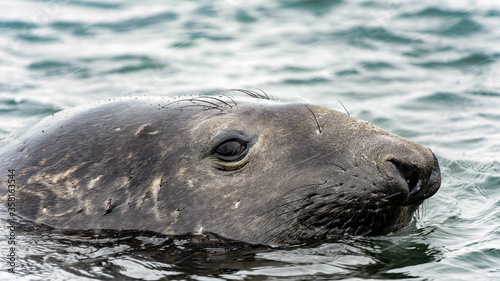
(243, 168)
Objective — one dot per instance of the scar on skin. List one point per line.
(64, 213)
(145, 130)
(199, 231)
(176, 214)
(236, 204)
(108, 208)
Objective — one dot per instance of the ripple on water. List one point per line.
(26, 107)
(33, 38)
(362, 33)
(420, 51)
(307, 81)
(319, 7)
(17, 25)
(141, 63)
(377, 65)
(465, 61)
(450, 23)
(245, 17)
(137, 22)
(96, 4)
(75, 28)
(450, 100)
(461, 27)
(436, 12)
(59, 68)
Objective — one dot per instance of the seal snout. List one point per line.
(422, 181)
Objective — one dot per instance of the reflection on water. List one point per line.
(150, 256)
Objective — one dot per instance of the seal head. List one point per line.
(252, 170)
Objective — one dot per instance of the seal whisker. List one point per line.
(253, 94)
(250, 93)
(351, 219)
(278, 207)
(333, 164)
(229, 97)
(265, 96)
(239, 90)
(217, 99)
(205, 101)
(392, 195)
(372, 223)
(306, 186)
(297, 209)
(307, 159)
(205, 107)
(360, 227)
(320, 130)
(268, 218)
(348, 114)
(328, 229)
(420, 212)
(284, 205)
(193, 100)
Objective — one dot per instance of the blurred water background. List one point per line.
(426, 70)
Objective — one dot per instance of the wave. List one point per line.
(467, 61)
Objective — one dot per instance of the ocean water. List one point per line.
(426, 70)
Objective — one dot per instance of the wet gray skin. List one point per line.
(248, 169)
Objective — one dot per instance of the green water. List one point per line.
(425, 70)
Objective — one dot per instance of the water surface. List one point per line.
(425, 70)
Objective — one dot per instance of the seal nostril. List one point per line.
(410, 173)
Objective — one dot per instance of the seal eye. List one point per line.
(231, 150)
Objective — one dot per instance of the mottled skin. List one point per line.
(154, 159)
